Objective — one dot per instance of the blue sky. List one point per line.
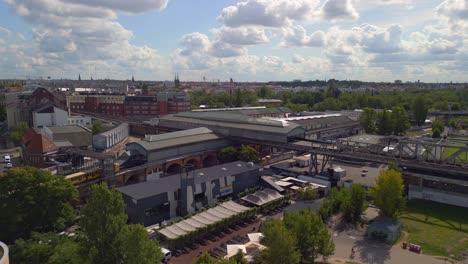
(247, 40)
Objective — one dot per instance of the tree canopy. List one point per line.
(367, 120)
(388, 193)
(311, 234)
(280, 243)
(420, 110)
(17, 133)
(108, 239)
(228, 154)
(247, 153)
(400, 120)
(34, 200)
(97, 127)
(49, 248)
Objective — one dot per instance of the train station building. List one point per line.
(158, 200)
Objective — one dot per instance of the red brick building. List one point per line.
(130, 106)
(36, 148)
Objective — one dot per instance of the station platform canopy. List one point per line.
(210, 216)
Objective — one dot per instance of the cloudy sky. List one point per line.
(258, 40)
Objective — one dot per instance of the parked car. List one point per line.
(167, 255)
(7, 158)
(9, 165)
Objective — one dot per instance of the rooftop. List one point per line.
(68, 129)
(184, 137)
(172, 183)
(231, 120)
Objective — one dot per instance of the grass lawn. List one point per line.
(440, 229)
(463, 157)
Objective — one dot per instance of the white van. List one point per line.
(167, 255)
(7, 159)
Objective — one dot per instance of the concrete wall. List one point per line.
(458, 199)
(58, 118)
(80, 120)
(111, 138)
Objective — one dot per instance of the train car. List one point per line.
(84, 176)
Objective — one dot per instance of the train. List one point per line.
(85, 176)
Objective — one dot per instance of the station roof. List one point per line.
(202, 219)
(184, 137)
(262, 197)
(232, 120)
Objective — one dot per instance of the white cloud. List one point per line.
(379, 40)
(297, 36)
(455, 12)
(267, 13)
(334, 10)
(193, 43)
(5, 31)
(78, 34)
(241, 35)
(134, 6)
(21, 36)
(222, 50)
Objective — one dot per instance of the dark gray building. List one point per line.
(152, 202)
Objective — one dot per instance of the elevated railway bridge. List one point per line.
(443, 158)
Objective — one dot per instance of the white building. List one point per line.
(53, 116)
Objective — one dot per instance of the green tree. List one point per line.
(47, 248)
(358, 202)
(102, 221)
(438, 124)
(3, 113)
(393, 166)
(17, 133)
(97, 127)
(239, 258)
(456, 106)
(280, 243)
(228, 154)
(136, 247)
(248, 153)
(419, 110)
(307, 193)
(388, 193)
(239, 100)
(436, 133)
(107, 238)
(34, 200)
(264, 92)
(205, 258)
(385, 123)
(311, 235)
(144, 89)
(400, 120)
(326, 209)
(367, 120)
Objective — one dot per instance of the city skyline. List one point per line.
(248, 40)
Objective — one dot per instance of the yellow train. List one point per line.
(84, 176)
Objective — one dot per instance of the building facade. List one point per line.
(160, 200)
(122, 105)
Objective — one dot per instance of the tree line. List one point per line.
(332, 98)
(39, 207)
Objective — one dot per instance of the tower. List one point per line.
(176, 81)
(79, 77)
(231, 86)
